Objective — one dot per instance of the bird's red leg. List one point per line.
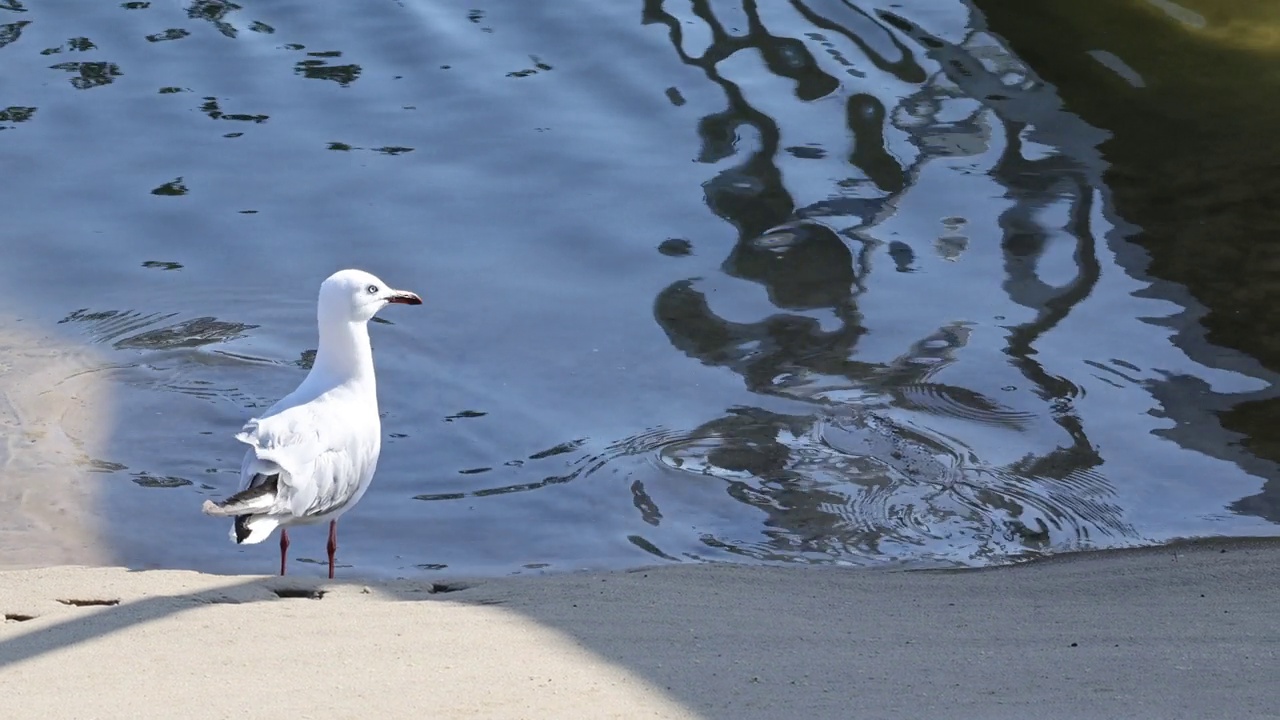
(284, 548)
(333, 544)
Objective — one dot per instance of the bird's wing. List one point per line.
(289, 440)
(321, 460)
(337, 477)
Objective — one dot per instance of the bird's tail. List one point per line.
(248, 507)
(258, 497)
(253, 529)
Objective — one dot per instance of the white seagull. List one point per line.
(312, 455)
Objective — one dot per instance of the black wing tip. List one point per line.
(242, 528)
(260, 485)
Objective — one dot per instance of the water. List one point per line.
(805, 282)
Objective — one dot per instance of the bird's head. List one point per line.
(356, 296)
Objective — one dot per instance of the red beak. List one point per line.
(404, 297)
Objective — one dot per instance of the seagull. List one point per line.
(312, 455)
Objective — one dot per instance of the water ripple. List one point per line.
(120, 328)
(867, 488)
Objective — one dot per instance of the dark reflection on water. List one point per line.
(828, 498)
(90, 74)
(15, 114)
(1199, 208)
(10, 32)
(216, 12)
(810, 281)
(119, 328)
(319, 66)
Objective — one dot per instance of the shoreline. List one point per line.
(1182, 630)
(54, 421)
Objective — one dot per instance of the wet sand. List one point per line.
(1174, 632)
(54, 419)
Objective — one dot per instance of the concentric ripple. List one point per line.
(866, 488)
(859, 488)
(961, 403)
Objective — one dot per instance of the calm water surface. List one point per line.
(811, 281)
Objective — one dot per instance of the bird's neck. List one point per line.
(344, 355)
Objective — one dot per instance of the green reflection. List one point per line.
(90, 74)
(12, 31)
(1191, 159)
(15, 114)
(316, 68)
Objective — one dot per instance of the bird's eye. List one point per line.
(373, 289)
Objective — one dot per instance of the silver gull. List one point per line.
(312, 455)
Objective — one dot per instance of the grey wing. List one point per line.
(247, 475)
(338, 478)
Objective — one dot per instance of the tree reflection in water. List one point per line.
(866, 471)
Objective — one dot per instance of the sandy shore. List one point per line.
(53, 422)
(1163, 633)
